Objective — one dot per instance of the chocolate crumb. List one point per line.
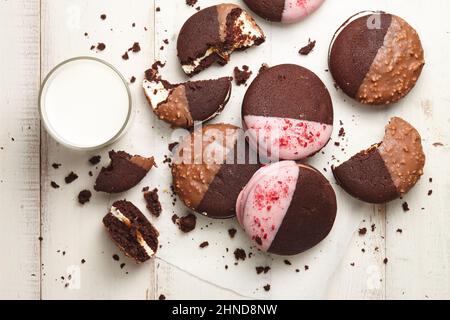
(405, 206)
(122, 265)
(133, 24)
(352, 264)
(174, 218)
(362, 231)
(158, 9)
(83, 261)
(153, 203)
(399, 230)
(71, 177)
(172, 146)
(337, 144)
(145, 189)
(263, 68)
(239, 254)
(95, 160)
(341, 132)
(191, 2)
(232, 232)
(125, 56)
(373, 227)
(101, 46)
(306, 268)
(438, 144)
(430, 192)
(267, 287)
(91, 174)
(287, 262)
(56, 165)
(187, 223)
(116, 257)
(258, 240)
(162, 297)
(308, 48)
(84, 196)
(54, 185)
(135, 48)
(133, 79)
(385, 260)
(103, 17)
(166, 41)
(204, 244)
(241, 76)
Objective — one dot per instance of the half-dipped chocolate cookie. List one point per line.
(210, 168)
(123, 173)
(288, 113)
(212, 34)
(287, 208)
(131, 231)
(376, 58)
(183, 104)
(387, 170)
(285, 11)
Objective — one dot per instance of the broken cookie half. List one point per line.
(131, 231)
(123, 173)
(183, 104)
(213, 34)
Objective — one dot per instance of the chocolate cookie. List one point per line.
(212, 34)
(288, 113)
(285, 11)
(131, 231)
(182, 104)
(385, 171)
(287, 208)
(210, 168)
(123, 173)
(376, 58)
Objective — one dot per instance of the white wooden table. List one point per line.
(44, 233)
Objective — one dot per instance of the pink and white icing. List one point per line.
(296, 10)
(263, 203)
(287, 139)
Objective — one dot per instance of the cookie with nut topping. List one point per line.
(387, 170)
(376, 58)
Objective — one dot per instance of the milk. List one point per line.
(85, 103)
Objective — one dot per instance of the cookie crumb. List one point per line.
(162, 297)
(101, 46)
(115, 257)
(204, 244)
(399, 230)
(125, 56)
(191, 3)
(84, 196)
(103, 17)
(186, 223)
(95, 160)
(287, 262)
(71, 177)
(56, 165)
(405, 206)
(54, 185)
(232, 232)
(153, 203)
(385, 260)
(241, 76)
(239, 254)
(267, 287)
(308, 48)
(362, 231)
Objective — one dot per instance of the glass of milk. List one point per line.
(85, 103)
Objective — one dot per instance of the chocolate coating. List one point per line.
(209, 181)
(376, 59)
(289, 91)
(387, 170)
(123, 173)
(310, 216)
(271, 10)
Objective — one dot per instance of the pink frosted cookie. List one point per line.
(287, 208)
(285, 11)
(288, 113)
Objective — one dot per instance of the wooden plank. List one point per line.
(19, 149)
(67, 226)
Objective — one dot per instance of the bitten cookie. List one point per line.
(285, 11)
(212, 34)
(376, 58)
(288, 113)
(385, 171)
(123, 173)
(182, 104)
(131, 231)
(287, 208)
(210, 168)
